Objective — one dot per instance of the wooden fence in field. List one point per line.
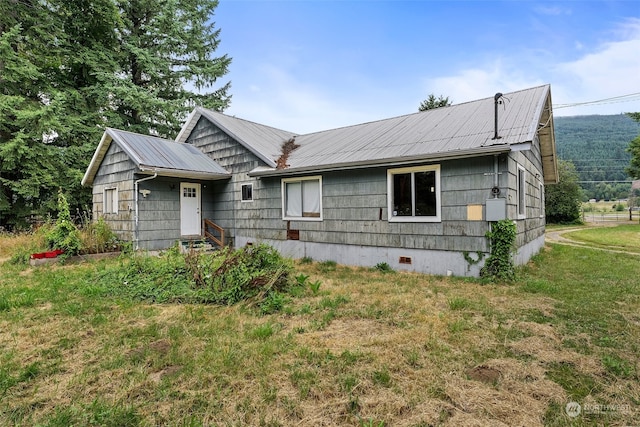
(625, 216)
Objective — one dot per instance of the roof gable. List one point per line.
(263, 141)
(156, 155)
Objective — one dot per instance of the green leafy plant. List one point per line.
(383, 267)
(315, 286)
(64, 234)
(302, 279)
(499, 265)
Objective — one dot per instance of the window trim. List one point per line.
(114, 200)
(242, 186)
(521, 192)
(427, 168)
(283, 187)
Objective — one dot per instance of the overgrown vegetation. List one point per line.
(256, 274)
(88, 238)
(499, 265)
(64, 234)
(563, 200)
(368, 348)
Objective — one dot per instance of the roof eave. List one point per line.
(451, 155)
(181, 173)
(98, 156)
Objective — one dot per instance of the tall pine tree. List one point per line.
(167, 63)
(68, 68)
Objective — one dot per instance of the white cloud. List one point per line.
(483, 82)
(286, 102)
(609, 71)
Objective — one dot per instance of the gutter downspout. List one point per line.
(136, 197)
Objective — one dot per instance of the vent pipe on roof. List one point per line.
(496, 100)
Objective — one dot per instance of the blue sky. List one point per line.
(309, 65)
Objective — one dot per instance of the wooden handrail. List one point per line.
(208, 224)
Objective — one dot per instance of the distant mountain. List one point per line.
(597, 146)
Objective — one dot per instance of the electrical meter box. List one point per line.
(496, 209)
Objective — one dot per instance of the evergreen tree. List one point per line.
(68, 68)
(29, 110)
(166, 58)
(562, 200)
(432, 102)
(634, 148)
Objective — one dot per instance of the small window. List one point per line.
(111, 200)
(247, 192)
(302, 198)
(414, 194)
(522, 195)
(189, 192)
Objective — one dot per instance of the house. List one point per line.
(418, 192)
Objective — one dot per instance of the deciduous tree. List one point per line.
(562, 200)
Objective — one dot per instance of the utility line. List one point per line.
(613, 100)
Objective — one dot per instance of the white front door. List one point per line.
(190, 218)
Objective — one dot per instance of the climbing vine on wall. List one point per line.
(499, 265)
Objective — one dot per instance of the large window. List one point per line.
(110, 201)
(414, 194)
(522, 195)
(302, 198)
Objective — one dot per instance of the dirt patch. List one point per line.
(521, 397)
(484, 373)
(156, 377)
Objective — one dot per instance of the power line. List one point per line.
(613, 100)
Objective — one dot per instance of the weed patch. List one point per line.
(255, 274)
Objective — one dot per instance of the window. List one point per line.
(110, 200)
(189, 192)
(302, 198)
(522, 196)
(414, 194)
(247, 192)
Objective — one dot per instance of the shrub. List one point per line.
(64, 234)
(97, 237)
(383, 267)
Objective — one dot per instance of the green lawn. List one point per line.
(621, 237)
(365, 348)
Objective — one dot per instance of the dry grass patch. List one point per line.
(365, 348)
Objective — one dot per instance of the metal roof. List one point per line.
(264, 141)
(461, 130)
(151, 154)
(467, 127)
